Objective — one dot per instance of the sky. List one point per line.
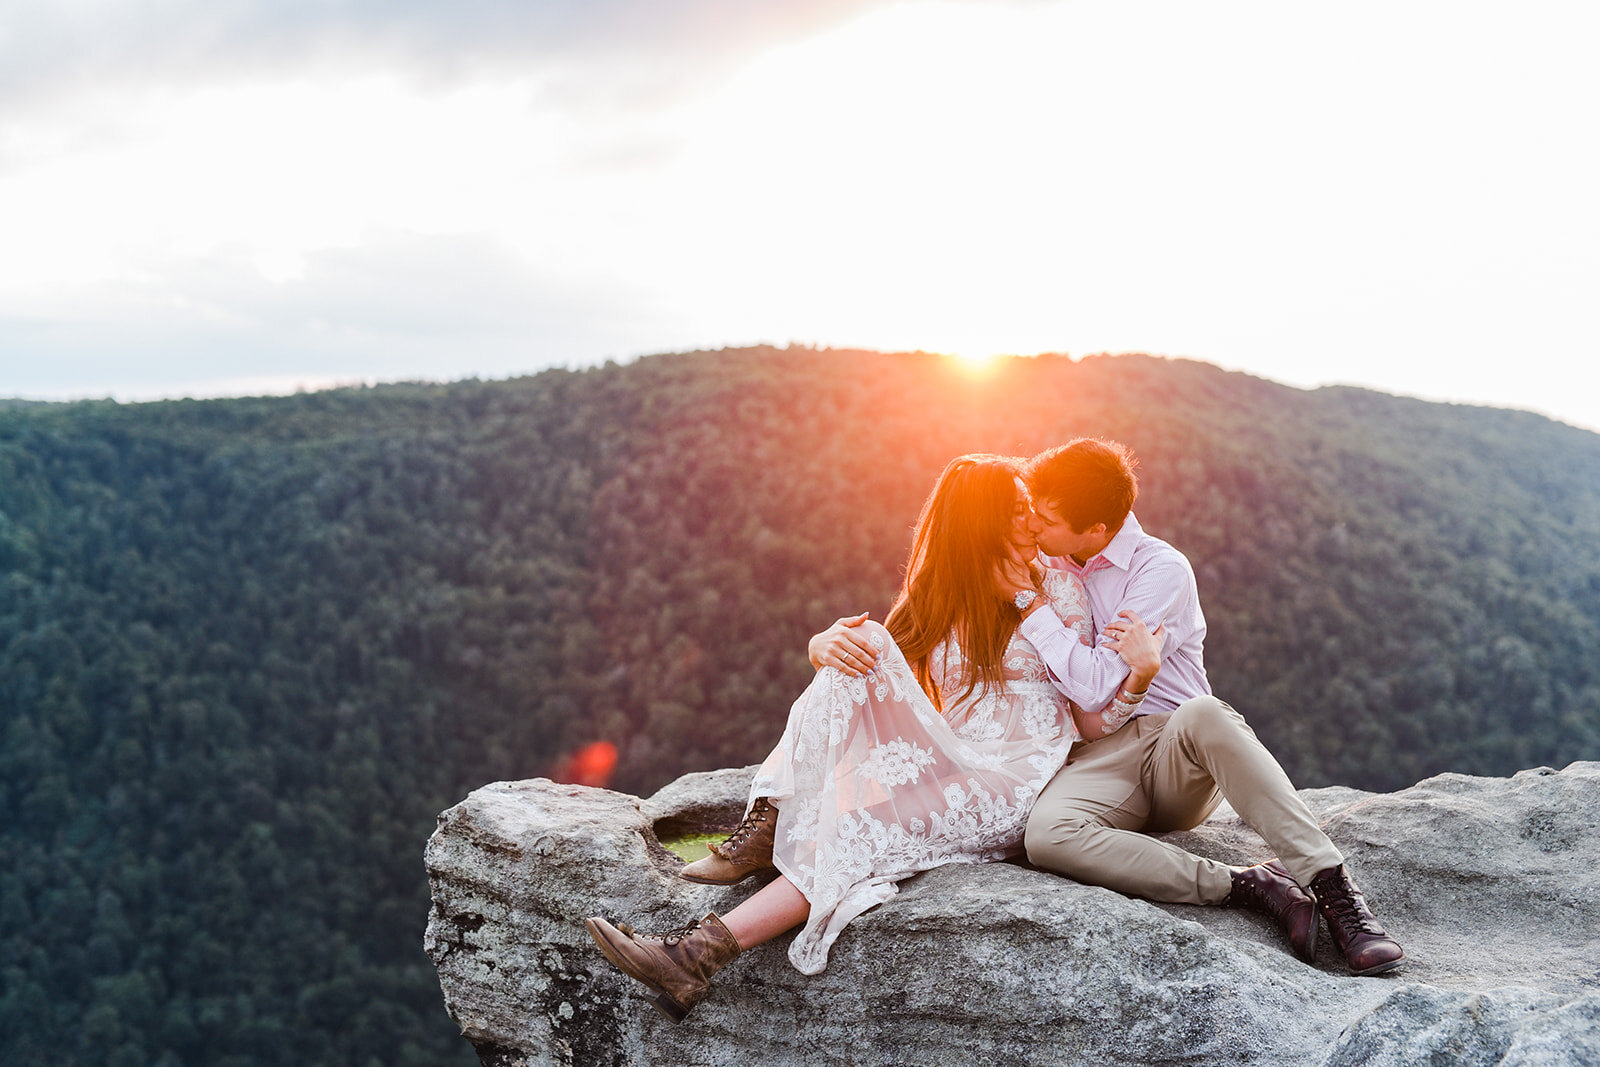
(227, 197)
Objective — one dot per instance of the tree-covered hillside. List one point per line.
(249, 648)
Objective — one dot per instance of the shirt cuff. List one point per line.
(1042, 624)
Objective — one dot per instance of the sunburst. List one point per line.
(976, 363)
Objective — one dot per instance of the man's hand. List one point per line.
(1138, 645)
(842, 645)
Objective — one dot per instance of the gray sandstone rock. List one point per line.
(1515, 1027)
(1491, 884)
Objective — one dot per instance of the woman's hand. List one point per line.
(842, 645)
(1012, 575)
(1139, 647)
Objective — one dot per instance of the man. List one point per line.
(1184, 750)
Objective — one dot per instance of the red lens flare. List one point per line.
(592, 764)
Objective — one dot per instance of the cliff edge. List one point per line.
(1492, 885)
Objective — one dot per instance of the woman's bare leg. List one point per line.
(776, 907)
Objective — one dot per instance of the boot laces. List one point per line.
(1253, 888)
(682, 932)
(1344, 908)
(1257, 898)
(672, 938)
(1265, 901)
(747, 826)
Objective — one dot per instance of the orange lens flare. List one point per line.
(592, 765)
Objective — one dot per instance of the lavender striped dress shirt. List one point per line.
(1134, 572)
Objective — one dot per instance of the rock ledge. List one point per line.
(1491, 884)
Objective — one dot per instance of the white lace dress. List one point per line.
(873, 784)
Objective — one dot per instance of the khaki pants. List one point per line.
(1168, 772)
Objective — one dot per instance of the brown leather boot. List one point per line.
(747, 851)
(1268, 889)
(1367, 949)
(676, 966)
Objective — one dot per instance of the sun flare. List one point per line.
(975, 363)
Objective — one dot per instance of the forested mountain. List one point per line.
(249, 648)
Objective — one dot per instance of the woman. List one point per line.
(934, 757)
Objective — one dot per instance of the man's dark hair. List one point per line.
(1087, 481)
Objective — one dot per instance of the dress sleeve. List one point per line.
(1118, 712)
(1089, 676)
(1070, 601)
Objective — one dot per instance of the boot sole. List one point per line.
(662, 1002)
(714, 881)
(1382, 968)
(1309, 953)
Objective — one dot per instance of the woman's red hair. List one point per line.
(963, 532)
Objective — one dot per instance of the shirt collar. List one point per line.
(1119, 552)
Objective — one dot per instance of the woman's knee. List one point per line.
(876, 634)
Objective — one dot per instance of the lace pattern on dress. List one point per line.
(873, 784)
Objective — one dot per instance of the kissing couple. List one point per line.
(1037, 687)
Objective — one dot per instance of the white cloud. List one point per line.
(66, 47)
(397, 306)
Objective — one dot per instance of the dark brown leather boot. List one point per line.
(1268, 889)
(1367, 949)
(676, 966)
(747, 851)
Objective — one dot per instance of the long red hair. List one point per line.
(962, 533)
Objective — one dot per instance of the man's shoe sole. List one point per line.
(1382, 968)
(1309, 955)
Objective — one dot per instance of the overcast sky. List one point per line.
(200, 197)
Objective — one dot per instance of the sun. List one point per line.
(976, 364)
